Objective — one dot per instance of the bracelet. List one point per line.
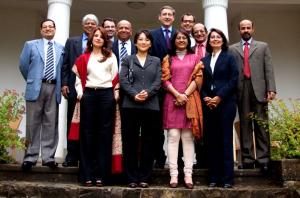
(186, 94)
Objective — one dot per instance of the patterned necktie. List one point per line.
(247, 72)
(49, 71)
(167, 38)
(123, 52)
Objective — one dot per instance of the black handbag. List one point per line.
(130, 72)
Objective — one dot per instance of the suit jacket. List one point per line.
(32, 61)
(223, 81)
(159, 45)
(115, 49)
(147, 77)
(262, 74)
(73, 49)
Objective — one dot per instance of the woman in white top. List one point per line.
(97, 90)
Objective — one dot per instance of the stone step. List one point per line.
(159, 176)
(62, 190)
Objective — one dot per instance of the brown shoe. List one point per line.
(174, 182)
(188, 181)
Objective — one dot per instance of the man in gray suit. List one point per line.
(40, 65)
(256, 87)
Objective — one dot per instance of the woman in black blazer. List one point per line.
(140, 80)
(219, 108)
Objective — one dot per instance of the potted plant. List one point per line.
(284, 128)
(11, 111)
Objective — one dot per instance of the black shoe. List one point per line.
(264, 168)
(51, 164)
(132, 185)
(246, 166)
(69, 164)
(212, 185)
(143, 185)
(27, 165)
(228, 186)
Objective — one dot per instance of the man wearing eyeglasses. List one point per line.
(187, 23)
(40, 65)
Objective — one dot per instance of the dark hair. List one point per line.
(108, 19)
(172, 51)
(45, 20)
(105, 51)
(225, 42)
(188, 14)
(147, 34)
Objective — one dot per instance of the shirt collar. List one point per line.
(249, 41)
(46, 41)
(169, 28)
(84, 36)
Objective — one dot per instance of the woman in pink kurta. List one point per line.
(177, 69)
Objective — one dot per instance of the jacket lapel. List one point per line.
(148, 61)
(40, 47)
(58, 53)
(78, 45)
(253, 47)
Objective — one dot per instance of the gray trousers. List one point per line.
(249, 104)
(42, 125)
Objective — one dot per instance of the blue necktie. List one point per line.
(49, 71)
(167, 37)
(123, 52)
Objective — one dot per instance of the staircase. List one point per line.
(62, 182)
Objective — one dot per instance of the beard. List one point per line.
(246, 36)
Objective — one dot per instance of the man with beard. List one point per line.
(256, 87)
(74, 47)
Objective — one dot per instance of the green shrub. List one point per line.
(11, 108)
(284, 128)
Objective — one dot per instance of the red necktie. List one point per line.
(200, 51)
(247, 72)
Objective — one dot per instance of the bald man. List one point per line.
(256, 87)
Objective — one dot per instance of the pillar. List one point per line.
(59, 12)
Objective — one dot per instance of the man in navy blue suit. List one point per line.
(74, 47)
(161, 44)
(124, 32)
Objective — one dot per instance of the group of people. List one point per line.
(187, 82)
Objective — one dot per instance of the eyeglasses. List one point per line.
(187, 21)
(199, 32)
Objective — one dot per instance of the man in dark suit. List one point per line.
(124, 32)
(256, 86)
(40, 65)
(160, 46)
(187, 22)
(109, 24)
(74, 47)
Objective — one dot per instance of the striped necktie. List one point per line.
(49, 71)
(123, 52)
(167, 37)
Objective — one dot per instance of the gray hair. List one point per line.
(90, 17)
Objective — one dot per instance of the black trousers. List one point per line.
(139, 132)
(249, 104)
(72, 145)
(218, 127)
(97, 112)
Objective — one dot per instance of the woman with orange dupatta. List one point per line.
(182, 111)
(97, 89)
